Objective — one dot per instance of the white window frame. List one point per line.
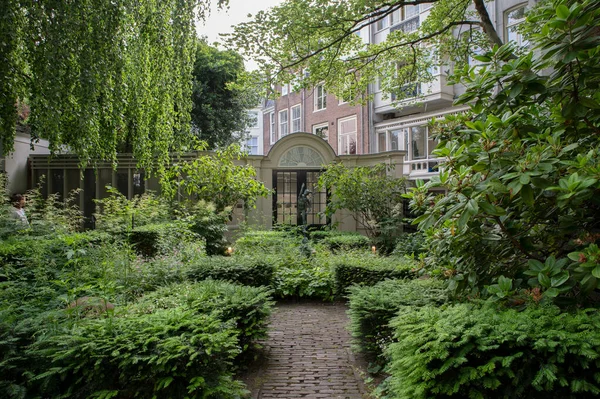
(272, 127)
(320, 126)
(322, 98)
(341, 135)
(284, 89)
(249, 145)
(521, 42)
(284, 127)
(297, 120)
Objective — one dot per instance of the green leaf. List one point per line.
(560, 279)
(562, 12)
(515, 90)
(527, 194)
(544, 280)
(552, 292)
(596, 272)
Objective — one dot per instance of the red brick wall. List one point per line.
(311, 117)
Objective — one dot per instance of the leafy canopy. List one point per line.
(216, 178)
(98, 74)
(220, 101)
(325, 40)
(373, 197)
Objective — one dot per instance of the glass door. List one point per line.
(288, 185)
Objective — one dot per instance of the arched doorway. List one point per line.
(299, 160)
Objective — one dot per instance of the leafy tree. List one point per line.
(523, 166)
(216, 178)
(98, 73)
(220, 103)
(322, 39)
(373, 197)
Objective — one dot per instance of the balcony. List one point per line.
(408, 25)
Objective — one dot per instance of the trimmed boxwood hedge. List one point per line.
(367, 270)
(244, 270)
(267, 242)
(346, 242)
(372, 309)
(474, 351)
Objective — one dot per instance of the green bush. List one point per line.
(410, 244)
(252, 271)
(372, 309)
(367, 270)
(305, 280)
(169, 353)
(470, 352)
(154, 239)
(267, 242)
(248, 307)
(346, 242)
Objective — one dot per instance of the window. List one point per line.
(395, 17)
(347, 136)
(513, 19)
(272, 127)
(392, 140)
(418, 139)
(321, 130)
(283, 123)
(382, 23)
(320, 98)
(410, 11)
(284, 90)
(253, 119)
(296, 111)
(252, 145)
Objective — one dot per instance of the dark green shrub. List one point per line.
(153, 239)
(367, 270)
(248, 307)
(244, 270)
(307, 280)
(173, 353)
(410, 244)
(346, 242)
(372, 309)
(267, 242)
(470, 352)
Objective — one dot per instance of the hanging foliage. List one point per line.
(100, 74)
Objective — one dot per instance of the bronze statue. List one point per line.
(304, 203)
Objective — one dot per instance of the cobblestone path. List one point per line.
(308, 355)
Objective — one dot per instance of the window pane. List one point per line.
(431, 144)
(418, 137)
(394, 140)
(381, 142)
(515, 16)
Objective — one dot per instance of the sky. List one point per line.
(222, 21)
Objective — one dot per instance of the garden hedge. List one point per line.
(151, 240)
(346, 242)
(372, 309)
(267, 242)
(468, 351)
(172, 353)
(251, 271)
(368, 270)
(248, 307)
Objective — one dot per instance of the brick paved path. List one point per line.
(308, 354)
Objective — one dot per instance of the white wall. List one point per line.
(16, 162)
